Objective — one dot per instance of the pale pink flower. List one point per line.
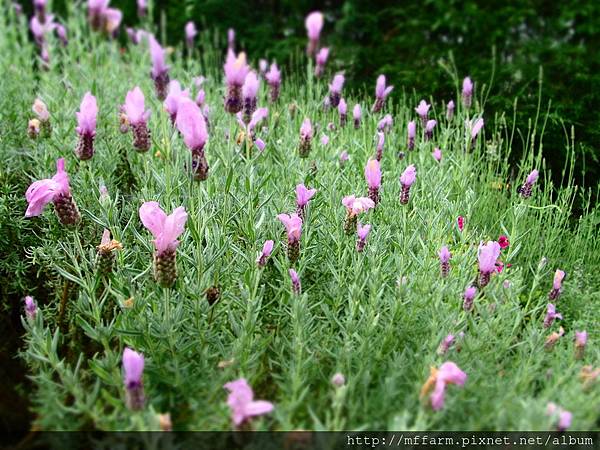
(174, 98)
(165, 229)
(409, 176)
(191, 124)
(355, 206)
(293, 226)
(267, 249)
(134, 107)
(437, 154)
(242, 404)
(303, 195)
(42, 192)
(86, 116)
(448, 373)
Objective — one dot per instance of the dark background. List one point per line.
(406, 40)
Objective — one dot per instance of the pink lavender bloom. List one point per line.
(39, 28)
(343, 112)
(551, 315)
(249, 93)
(445, 345)
(385, 124)
(236, 70)
(362, 231)
(306, 135)
(30, 307)
(445, 256)
(257, 117)
(468, 298)
(525, 190)
(354, 207)
(437, 154)
(133, 369)
(112, 21)
(412, 134)
(166, 230)
(335, 90)
(343, 157)
(103, 193)
(324, 140)
(262, 66)
(467, 92)
(450, 110)
(407, 179)
(429, 126)
(423, 110)
(380, 145)
(503, 241)
(137, 116)
(356, 115)
(373, 177)
(192, 125)
(174, 98)
(57, 191)
(273, 77)
(475, 127)
(314, 25)
(321, 60)
(303, 196)
(559, 275)
(381, 93)
(190, 33)
(448, 373)
(142, 8)
(265, 253)
(460, 221)
(580, 343)
(61, 33)
(96, 10)
(338, 380)
(242, 404)
(160, 70)
(296, 286)
(562, 417)
(487, 255)
(293, 226)
(86, 126)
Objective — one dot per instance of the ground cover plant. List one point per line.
(237, 247)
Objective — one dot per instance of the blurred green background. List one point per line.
(498, 43)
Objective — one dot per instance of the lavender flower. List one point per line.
(559, 275)
(343, 158)
(267, 249)
(303, 196)
(30, 308)
(133, 369)
(105, 255)
(448, 373)
(257, 117)
(43, 115)
(380, 144)
(423, 110)
(273, 77)
(445, 345)
(467, 92)
(429, 126)
(249, 93)
(236, 70)
(373, 177)
(445, 256)
(561, 417)
(450, 110)
(580, 343)
(190, 34)
(356, 115)
(61, 33)
(174, 97)
(335, 90)
(321, 60)
(487, 255)
(381, 93)
(407, 179)
(343, 112)
(166, 230)
(338, 380)
(137, 117)
(525, 190)
(437, 154)
(231, 39)
(551, 315)
(354, 207)
(468, 298)
(306, 135)
(296, 286)
(293, 226)
(192, 125)
(57, 191)
(142, 8)
(474, 127)
(362, 232)
(160, 70)
(314, 25)
(385, 124)
(242, 404)
(86, 126)
(412, 134)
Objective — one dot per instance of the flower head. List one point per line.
(293, 225)
(337, 84)
(42, 192)
(357, 112)
(581, 338)
(475, 127)
(267, 249)
(303, 195)
(503, 241)
(363, 231)
(488, 255)
(338, 379)
(133, 368)
(551, 315)
(30, 307)
(157, 54)
(450, 109)
(165, 229)
(412, 129)
(322, 56)
(409, 176)
(174, 97)
(191, 124)
(423, 108)
(563, 417)
(273, 76)
(437, 154)
(242, 404)
(86, 116)
(444, 254)
(342, 107)
(257, 116)
(430, 125)
(467, 87)
(448, 373)
(306, 130)
(235, 68)
(559, 275)
(113, 18)
(250, 86)
(135, 108)
(381, 90)
(41, 110)
(533, 176)
(314, 25)
(373, 174)
(190, 31)
(386, 123)
(460, 222)
(356, 206)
